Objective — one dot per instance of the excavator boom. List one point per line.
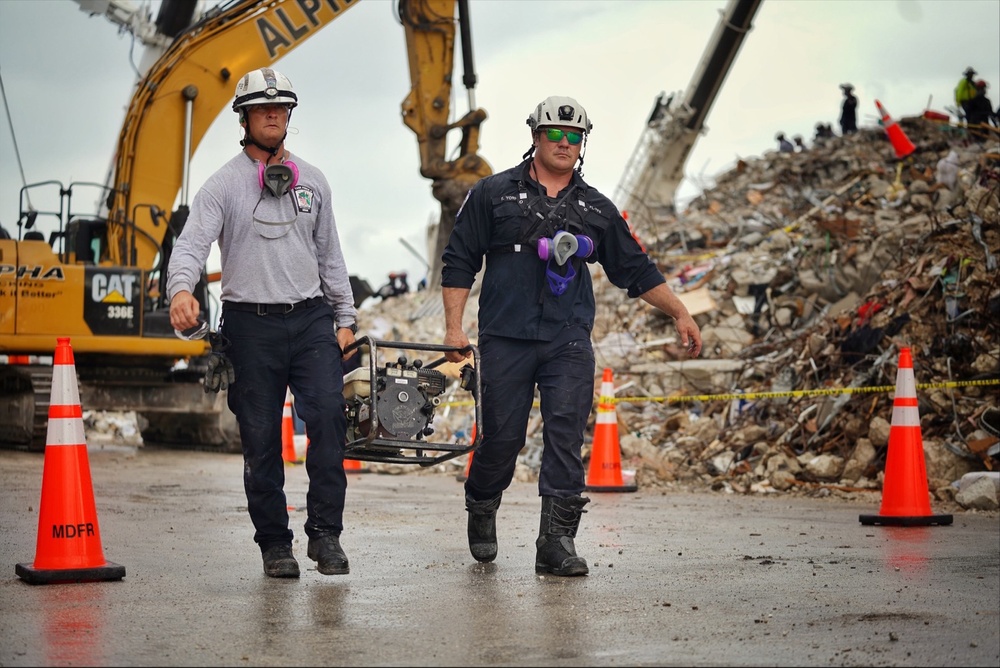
(429, 26)
(179, 98)
(96, 278)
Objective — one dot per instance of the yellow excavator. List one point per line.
(95, 278)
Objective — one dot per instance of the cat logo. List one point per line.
(114, 303)
(112, 288)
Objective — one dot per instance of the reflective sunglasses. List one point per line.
(556, 135)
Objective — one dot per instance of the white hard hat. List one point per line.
(559, 110)
(264, 86)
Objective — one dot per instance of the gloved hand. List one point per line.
(220, 373)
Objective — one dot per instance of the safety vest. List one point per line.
(964, 91)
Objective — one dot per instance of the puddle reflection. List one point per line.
(73, 627)
(907, 548)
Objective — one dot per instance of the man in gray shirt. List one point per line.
(287, 315)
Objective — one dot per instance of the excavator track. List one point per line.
(26, 391)
(173, 410)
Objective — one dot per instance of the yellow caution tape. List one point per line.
(775, 395)
(806, 393)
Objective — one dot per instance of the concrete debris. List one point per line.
(807, 272)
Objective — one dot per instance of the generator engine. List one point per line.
(390, 408)
(406, 395)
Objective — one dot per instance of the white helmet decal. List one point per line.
(264, 86)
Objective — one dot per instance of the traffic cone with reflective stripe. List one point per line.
(901, 144)
(288, 431)
(905, 497)
(605, 472)
(462, 477)
(69, 538)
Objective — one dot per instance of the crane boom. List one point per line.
(656, 168)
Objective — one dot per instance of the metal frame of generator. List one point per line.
(390, 408)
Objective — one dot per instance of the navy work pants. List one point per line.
(563, 370)
(270, 353)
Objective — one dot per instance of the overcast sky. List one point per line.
(68, 78)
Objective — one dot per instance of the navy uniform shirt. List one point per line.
(516, 300)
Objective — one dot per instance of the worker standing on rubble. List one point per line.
(965, 91)
(979, 111)
(784, 146)
(848, 110)
(287, 315)
(538, 225)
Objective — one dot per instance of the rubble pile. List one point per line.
(807, 273)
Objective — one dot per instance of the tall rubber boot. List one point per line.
(483, 527)
(556, 553)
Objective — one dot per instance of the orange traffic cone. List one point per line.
(288, 431)
(462, 477)
(905, 498)
(605, 473)
(69, 538)
(901, 144)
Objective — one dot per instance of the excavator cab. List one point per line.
(85, 239)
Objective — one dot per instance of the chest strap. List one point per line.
(513, 248)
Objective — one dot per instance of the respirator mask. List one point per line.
(278, 180)
(561, 249)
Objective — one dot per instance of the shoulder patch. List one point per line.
(304, 197)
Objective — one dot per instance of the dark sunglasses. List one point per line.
(556, 135)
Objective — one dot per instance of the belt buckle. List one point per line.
(261, 309)
(287, 308)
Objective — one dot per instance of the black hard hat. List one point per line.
(969, 72)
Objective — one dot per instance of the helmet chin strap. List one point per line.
(248, 138)
(272, 151)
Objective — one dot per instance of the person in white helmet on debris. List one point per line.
(538, 226)
(287, 315)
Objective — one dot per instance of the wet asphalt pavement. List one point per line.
(676, 579)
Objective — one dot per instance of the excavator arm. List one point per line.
(429, 26)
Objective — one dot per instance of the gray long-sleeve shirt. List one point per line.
(260, 262)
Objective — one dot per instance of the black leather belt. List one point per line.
(271, 309)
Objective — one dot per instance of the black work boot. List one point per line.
(328, 555)
(279, 562)
(556, 553)
(483, 527)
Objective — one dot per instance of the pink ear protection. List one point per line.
(279, 178)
